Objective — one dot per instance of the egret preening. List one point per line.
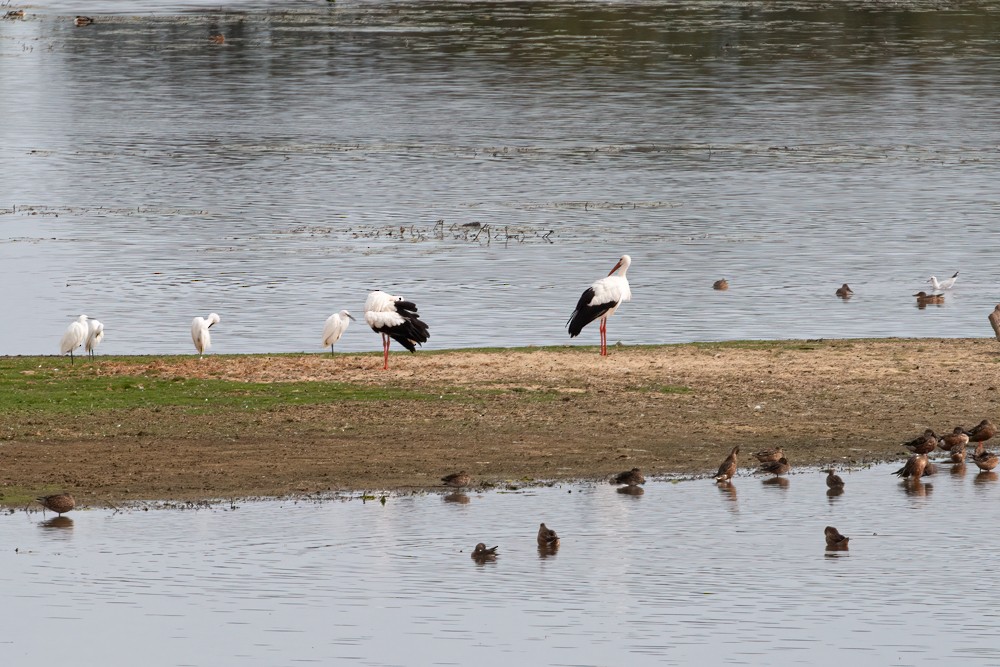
(335, 327)
(946, 284)
(395, 318)
(95, 334)
(199, 332)
(601, 300)
(75, 336)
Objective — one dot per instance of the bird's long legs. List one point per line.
(385, 351)
(604, 336)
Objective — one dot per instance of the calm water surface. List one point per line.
(684, 572)
(150, 176)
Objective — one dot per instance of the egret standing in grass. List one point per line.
(600, 301)
(335, 327)
(95, 334)
(395, 318)
(199, 332)
(75, 336)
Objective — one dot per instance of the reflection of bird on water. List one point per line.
(547, 537)
(601, 300)
(914, 487)
(779, 467)
(915, 467)
(833, 480)
(956, 438)
(844, 291)
(721, 285)
(985, 460)
(630, 477)
(728, 467)
(769, 455)
(834, 539)
(923, 444)
(947, 284)
(631, 490)
(60, 503)
(457, 479)
(59, 522)
(484, 553)
(457, 497)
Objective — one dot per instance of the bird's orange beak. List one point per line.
(617, 266)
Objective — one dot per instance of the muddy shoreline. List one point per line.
(508, 417)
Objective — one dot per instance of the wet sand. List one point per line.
(507, 417)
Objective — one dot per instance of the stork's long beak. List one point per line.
(617, 266)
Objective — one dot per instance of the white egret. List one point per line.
(335, 327)
(75, 336)
(199, 332)
(95, 334)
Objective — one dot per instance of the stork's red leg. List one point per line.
(385, 352)
(604, 337)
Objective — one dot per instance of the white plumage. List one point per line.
(947, 284)
(335, 327)
(395, 319)
(74, 337)
(95, 334)
(199, 331)
(601, 300)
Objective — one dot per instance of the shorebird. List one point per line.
(834, 540)
(95, 334)
(728, 467)
(956, 438)
(334, 328)
(915, 467)
(483, 553)
(60, 503)
(984, 460)
(721, 285)
(457, 479)
(74, 336)
(923, 444)
(833, 480)
(199, 332)
(395, 319)
(947, 284)
(630, 477)
(769, 455)
(844, 291)
(957, 454)
(547, 537)
(982, 431)
(601, 300)
(779, 467)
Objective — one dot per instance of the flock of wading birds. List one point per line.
(397, 319)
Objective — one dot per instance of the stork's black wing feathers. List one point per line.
(586, 313)
(412, 332)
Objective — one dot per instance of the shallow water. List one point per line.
(686, 571)
(150, 176)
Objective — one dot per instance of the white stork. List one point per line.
(95, 334)
(199, 332)
(600, 301)
(395, 318)
(335, 327)
(74, 336)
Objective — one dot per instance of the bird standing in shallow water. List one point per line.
(984, 460)
(199, 332)
(915, 467)
(334, 328)
(728, 466)
(779, 467)
(547, 537)
(395, 319)
(833, 480)
(601, 300)
(60, 503)
(74, 336)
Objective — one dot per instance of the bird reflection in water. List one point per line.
(57, 522)
(779, 482)
(457, 497)
(914, 487)
(835, 492)
(631, 490)
(547, 550)
(958, 470)
(728, 490)
(985, 477)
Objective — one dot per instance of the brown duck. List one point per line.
(769, 455)
(60, 503)
(957, 454)
(915, 467)
(631, 477)
(457, 479)
(982, 431)
(547, 537)
(844, 291)
(834, 539)
(83, 20)
(956, 438)
(779, 467)
(986, 461)
(923, 444)
(482, 552)
(721, 285)
(728, 467)
(833, 480)
(925, 299)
